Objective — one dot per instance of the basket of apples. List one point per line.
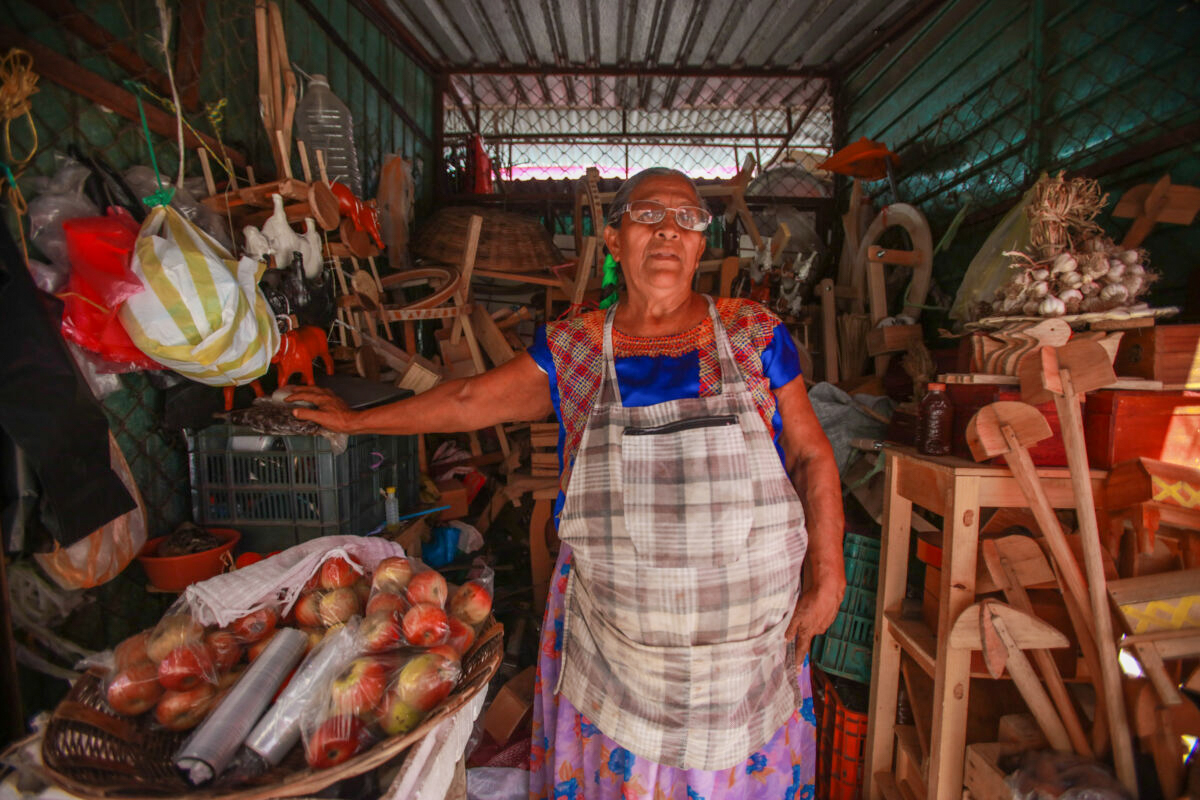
(382, 653)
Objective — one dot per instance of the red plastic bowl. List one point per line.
(176, 573)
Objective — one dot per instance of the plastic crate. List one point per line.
(297, 489)
(862, 561)
(843, 658)
(859, 602)
(841, 736)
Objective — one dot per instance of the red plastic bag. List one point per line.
(99, 250)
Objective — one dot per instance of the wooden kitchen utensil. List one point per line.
(1064, 374)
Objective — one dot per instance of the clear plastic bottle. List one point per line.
(324, 123)
(391, 508)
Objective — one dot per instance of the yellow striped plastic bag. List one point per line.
(202, 313)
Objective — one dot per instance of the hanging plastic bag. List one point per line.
(99, 250)
(100, 556)
(989, 269)
(202, 313)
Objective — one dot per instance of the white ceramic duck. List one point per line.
(284, 241)
(257, 247)
(313, 250)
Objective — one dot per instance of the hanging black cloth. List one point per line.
(47, 411)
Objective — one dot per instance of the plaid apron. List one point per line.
(687, 538)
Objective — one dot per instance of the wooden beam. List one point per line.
(87, 84)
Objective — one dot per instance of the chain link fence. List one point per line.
(985, 96)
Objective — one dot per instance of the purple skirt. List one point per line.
(571, 759)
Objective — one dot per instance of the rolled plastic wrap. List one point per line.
(209, 750)
(279, 731)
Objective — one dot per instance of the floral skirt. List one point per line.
(572, 760)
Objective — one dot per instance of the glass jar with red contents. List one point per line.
(935, 422)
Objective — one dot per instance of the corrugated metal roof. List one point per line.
(643, 53)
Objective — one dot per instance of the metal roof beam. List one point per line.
(646, 71)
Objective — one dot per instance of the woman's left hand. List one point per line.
(815, 612)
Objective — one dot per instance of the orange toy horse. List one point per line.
(297, 350)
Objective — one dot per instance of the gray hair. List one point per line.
(621, 198)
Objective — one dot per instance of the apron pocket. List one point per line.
(688, 496)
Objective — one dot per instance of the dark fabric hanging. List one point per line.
(48, 412)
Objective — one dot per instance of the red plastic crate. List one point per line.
(841, 734)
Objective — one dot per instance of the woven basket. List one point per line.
(508, 242)
(94, 753)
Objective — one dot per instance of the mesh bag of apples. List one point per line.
(411, 630)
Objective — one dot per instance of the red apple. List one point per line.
(425, 625)
(255, 625)
(187, 666)
(135, 689)
(338, 572)
(381, 632)
(338, 605)
(447, 652)
(362, 589)
(313, 583)
(173, 630)
(255, 650)
(396, 717)
(335, 740)
(426, 680)
(427, 587)
(228, 679)
(392, 575)
(315, 635)
(385, 603)
(462, 635)
(308, 610)
(225, 648)
(471, 603)
(360, 686)
(131, 651)
(183, 710)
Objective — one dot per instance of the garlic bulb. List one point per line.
(1030, 308)
(1039, 289)
(1071, 280)
(1133, 284)
(1135, 269)
(1115, 270)
(1051, 306)
(1089, 288)
(1000, 292)
(1020, 278)
(1114, 294)
(1072, 299)
(1093, 303)
(1129, 257)
(1040, 274)
(1063, 262)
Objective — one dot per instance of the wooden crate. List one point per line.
(1124, 424)
(1167, 353)
(968, 398)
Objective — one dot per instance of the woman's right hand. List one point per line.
(331, 411)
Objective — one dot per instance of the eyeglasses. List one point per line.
(652, 212)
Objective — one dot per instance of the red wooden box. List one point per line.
(1123, 424)
(1167, 353)
(968, 398)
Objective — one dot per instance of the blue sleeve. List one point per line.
(540, 352)
(780, 359)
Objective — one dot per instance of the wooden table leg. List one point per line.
(885, 668)
(952, 676)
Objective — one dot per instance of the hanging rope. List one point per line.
(608, 284)
(164, 194)
(18, 83)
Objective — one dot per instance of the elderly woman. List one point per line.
(696, 483)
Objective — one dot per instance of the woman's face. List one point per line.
(661, 257)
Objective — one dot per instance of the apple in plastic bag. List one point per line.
(187, 666)
(225, 648)
(338, 605)
(387, 603)
(381, 632)
(471, 603)
(392, 575)
(338, 573)
(426, 625)
(334, 741)
(132, 650)
(396, 716)
(135, 689)
(183, 710)
(255, 625)
(426, 680)
(360, 686)
(308, 610)
(427, 587)
(462, 635)
(255, 650)
(172, 631)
